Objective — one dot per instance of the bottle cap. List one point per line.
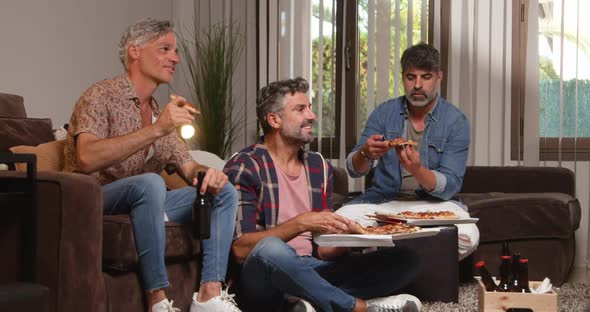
(480, 264)
(505, 257)
(524, 260)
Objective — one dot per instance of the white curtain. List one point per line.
(478, 74)
(286, 31)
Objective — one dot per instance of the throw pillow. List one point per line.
(11, 105)
(24, 131)
(50, 156)
(173, 181)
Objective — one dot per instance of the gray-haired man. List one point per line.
(118, 134)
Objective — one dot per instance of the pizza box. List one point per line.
(490, 301)
(369, 240)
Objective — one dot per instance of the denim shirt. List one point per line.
(443, 149)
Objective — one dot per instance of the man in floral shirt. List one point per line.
(118, 134)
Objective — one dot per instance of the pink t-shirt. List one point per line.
(294, 200)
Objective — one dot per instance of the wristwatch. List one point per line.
(365, 155)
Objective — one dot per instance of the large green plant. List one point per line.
(211, 56)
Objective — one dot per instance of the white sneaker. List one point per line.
(164, 306)
(300, 305)
(222, 303)
(397, 303)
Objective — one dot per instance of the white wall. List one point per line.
(52, 50)
(211, 12)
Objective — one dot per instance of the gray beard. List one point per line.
(421, 103)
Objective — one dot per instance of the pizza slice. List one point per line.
(401, 142)
(423, 215)
(386, 229)
(188, 106)
(394, 228)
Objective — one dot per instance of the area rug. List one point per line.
(571, 298)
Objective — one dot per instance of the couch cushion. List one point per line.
(173, 181)
(510, 216)
(120, 254)
(50, 156)
(11, 105)
(24, 131)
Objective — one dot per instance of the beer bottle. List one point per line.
(514, 277)
(505, 274)
(486, 278)
(523, 276)
(201, 212)
(505, 248)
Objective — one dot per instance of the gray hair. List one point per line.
(421, 56)
(271, 99)
(141, 32)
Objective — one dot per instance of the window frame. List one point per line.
(331, 146)
(550, 148)
(347, 63)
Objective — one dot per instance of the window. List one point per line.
(564, 79)
(362, 41)
(324, 58)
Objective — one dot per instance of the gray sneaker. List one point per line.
(397, 303)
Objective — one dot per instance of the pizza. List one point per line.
(401, 142)
(188, 106)
(444, 214)
(387, 229)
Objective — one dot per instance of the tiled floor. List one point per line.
(579, 275)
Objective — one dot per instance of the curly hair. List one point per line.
(422, 56)
(141, 32)
(271, 99)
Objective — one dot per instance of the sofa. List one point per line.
(533, 208)
(88, 261)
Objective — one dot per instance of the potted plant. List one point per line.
(211, 56)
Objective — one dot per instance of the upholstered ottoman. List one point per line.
(535, 225)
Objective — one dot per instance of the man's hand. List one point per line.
(324, 222)
(409, 158)
(173, 116)
(213, 182)
(375, 147)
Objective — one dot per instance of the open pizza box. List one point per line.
(365, 213)
(369, 240)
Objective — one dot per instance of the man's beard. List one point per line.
(421, 103)
(298, 137)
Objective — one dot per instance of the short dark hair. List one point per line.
(422, 56)
(270, 99)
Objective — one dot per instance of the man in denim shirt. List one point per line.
(437, 167)
(432, 169)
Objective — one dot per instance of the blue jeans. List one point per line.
(273, 270)
(146, 199)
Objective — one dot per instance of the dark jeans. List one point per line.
(273, 270)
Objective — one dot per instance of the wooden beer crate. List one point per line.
(489, 301)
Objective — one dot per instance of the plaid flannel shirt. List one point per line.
(253, 173)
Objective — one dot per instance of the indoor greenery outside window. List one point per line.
(564, 74)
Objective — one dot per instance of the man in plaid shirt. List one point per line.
(283, 198)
